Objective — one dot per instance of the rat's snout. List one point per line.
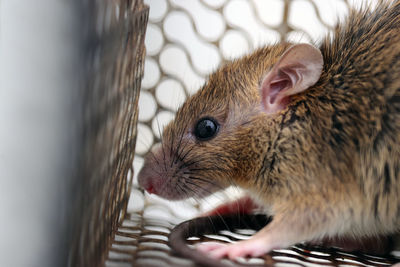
(155, 175)
(145, 180)
(147, 177)
(161, 175)
(166, 175)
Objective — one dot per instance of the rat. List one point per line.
(310, 133)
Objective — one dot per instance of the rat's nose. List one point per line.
(146, 181)
(150, 189)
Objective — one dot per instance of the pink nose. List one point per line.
(150, 189)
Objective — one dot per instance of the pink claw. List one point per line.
(209, 246)
(247, 248)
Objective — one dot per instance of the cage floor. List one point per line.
(143, 241)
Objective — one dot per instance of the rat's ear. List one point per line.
(298, 68)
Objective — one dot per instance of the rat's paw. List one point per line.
(248, 248)
(396, 265)
(206, 247)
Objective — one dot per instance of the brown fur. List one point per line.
(329, 164)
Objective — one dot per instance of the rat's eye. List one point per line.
(206, 129)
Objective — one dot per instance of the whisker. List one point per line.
(199, 187)
(173, 134)
(206, 181)
(204, 160)
(187, 152)
(178, 148)
(162, 144)
(143, 142)
(163, 152)
(197, 198)
(154, 157)
(194, 192)
(182, 190)
(217, 213)
(208, 169)
(159, 128)
(190, 163)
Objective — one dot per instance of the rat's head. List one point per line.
(219, 135)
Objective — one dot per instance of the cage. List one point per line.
(70, 79)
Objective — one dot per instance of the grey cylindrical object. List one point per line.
(39, 66)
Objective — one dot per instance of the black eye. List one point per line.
(206, 129)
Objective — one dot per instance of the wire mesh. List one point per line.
(143, 241)
(113, 64)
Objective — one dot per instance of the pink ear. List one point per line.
(298, 68)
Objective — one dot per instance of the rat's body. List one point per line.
(312, 134)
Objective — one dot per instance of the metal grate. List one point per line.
(143, 241)
(113, 60)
